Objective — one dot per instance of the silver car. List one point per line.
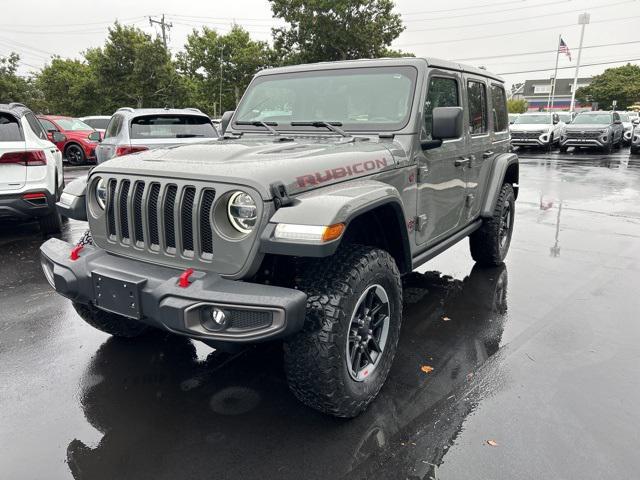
(134, 130)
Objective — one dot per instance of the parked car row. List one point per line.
(32, 148)
(600, 129)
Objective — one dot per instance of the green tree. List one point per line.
(206, 52)
(621, 84)
(69, 87)
(132, 69)
(517, 105)
(13, 88)
(327, 30)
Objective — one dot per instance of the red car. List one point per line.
(80, 140)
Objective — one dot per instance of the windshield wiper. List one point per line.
(333, 126)
(259, 123)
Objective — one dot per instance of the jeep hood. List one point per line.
(301, 165)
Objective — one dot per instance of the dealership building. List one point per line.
(536, 93)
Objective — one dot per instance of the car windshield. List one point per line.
(565, 117)
(100, 123)
(592, 118)
(72, 124)
(624, 117)
(357, 99)
(536, 119)
(172, 126)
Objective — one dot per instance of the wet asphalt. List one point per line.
(535, 365)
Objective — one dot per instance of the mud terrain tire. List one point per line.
(490, 243)
(317, 359)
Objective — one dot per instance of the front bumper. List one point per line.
(530, 141)
(569, 141)
(260, 312)
(13, 205)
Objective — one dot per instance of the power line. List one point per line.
(481, 5)
(29, 25)
(572, 66)
(164, 26)
(489, 12)
(539, 52)
(530, 17)
(511, 33)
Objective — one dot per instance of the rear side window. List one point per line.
(499, 103)
(9, 128)
(443, 92)
(477, 107)
(36, 126)
(172, 126)
(114, 126)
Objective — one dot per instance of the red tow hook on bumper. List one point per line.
(183, 280)
(75, 253)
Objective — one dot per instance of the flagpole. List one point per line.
(583, 19)
(555, 76)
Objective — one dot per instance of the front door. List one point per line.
(441, 182)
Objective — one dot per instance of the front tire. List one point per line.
(74, 154)
(490, 243)
(111, 323)
(339, 361)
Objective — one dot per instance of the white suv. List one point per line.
(537, 130)
(31, 175)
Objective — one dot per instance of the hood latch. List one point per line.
(280, 196)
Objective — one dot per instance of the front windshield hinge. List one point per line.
(386, 136)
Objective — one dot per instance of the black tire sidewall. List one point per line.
(75, 162)
(511, 200)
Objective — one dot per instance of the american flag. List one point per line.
(564, 49)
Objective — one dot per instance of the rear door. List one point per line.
(481, 149)
(441, 183)
(164, 130)
(13, 174)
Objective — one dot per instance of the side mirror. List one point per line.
(225, 120)
(556, 118)
(617, 122)
(446, 124)
(57, 137)
(95, 136)
(636, 121)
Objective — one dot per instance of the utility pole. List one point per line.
(164, 26)
(583, 20)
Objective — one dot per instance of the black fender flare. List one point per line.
(505, 166)
(72, 203)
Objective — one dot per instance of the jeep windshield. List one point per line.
(357, 99)
(592, 119)
(533, 119)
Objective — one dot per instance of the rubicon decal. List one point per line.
(340, 172)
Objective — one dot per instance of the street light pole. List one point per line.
(220, 97)
(583, 20)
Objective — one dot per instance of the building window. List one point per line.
(542, 89)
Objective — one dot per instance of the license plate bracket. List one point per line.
(117, 295)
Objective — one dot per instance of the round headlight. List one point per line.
(101, 193)
(242, 211)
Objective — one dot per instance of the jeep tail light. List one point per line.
(28, 158)
(127, 149)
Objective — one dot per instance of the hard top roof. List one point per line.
(159, 111)
(381, 62)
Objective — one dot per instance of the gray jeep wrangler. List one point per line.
(331, 182)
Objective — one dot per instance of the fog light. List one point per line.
(213, 319)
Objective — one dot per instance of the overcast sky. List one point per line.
(461, 30)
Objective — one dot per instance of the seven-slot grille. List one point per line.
(161, 216)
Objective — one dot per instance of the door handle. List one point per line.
(487, 154)
(461, 162)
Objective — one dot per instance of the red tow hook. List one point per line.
(75, 253)
(183, 281)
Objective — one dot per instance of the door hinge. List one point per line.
(422, 173)
(421, 222)
(469, 199)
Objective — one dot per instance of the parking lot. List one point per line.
(534, 364)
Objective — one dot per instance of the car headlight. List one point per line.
(101, 193)
(242, 211)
